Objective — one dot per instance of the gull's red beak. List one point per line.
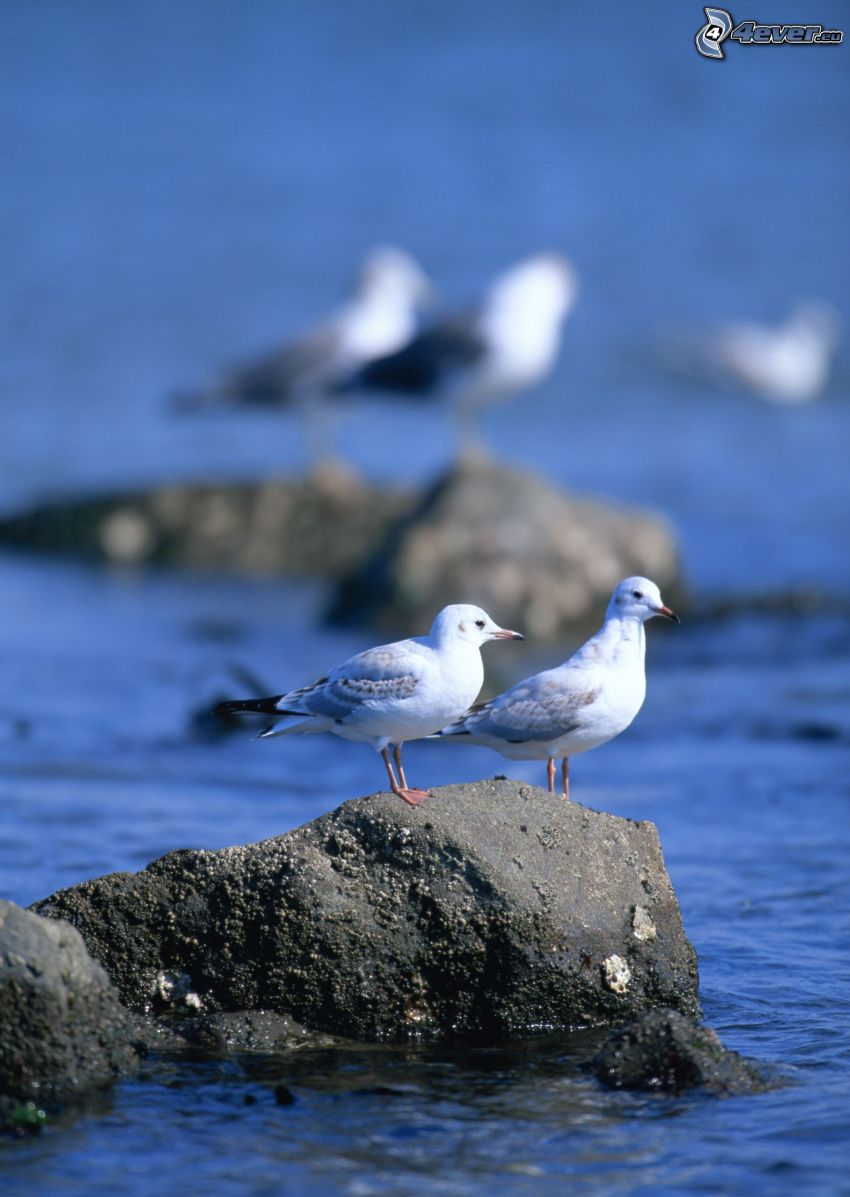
(668, 614)
(506, 634)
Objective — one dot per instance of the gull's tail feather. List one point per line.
(453, 729)
(250, 706)
(460, 727)
(260, 393)
(285, 721)
(292, 722)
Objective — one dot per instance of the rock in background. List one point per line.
(62, 1029)
(321, 525)
(484, 533)
(534, 557)
(493, 910)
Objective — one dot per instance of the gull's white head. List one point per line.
(544, 283)
(638, 598)
(390, 274)
(466, 624)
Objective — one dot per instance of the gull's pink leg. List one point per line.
(413, 797)
(410, 791)
(550, 773)
(565, 774)
(399, 766)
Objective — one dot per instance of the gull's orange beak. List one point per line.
(506, 634)
(668, 614)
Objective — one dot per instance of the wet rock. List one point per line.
(320, 525)
(62, 1029)
(492, 910)
(248, 1031)
(283, 1096)
(665, 1051)
(505, 539)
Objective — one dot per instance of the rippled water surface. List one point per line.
(183, 183)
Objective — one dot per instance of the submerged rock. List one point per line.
(663, 1050)
(539, 558)
(62, 1029)
(494, 909)
(242, 1032)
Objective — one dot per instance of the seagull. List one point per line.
(507, 344)
(379, 318)
(787, 363)
(388, 695)
(579, 705)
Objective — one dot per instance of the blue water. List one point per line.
(184, 183)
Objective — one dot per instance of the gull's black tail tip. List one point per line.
(248, 706)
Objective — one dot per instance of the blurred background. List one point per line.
(187, 185)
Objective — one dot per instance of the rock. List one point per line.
(62, 1029)
(664, 1050)
(247, 1031)
(283, 1096)
(535, 557)
(494, 909)
(323, 525)
(484, 533)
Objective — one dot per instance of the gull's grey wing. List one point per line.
(277, 377)
(420, 367)
(536, 710)
(379, 675)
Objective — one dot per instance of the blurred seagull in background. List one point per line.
(506, 344)
(388, 695)
(787, 363)
(579, 705)
(380, 317)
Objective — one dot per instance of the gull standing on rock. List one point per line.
(388, 695)
(579, 705)
(508, 343)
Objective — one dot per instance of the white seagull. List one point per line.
(785, 363)
(388, 695)
(508, 343)
(379, 318)
(579, 705)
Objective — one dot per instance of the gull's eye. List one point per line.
(637, 594)
(479, 623)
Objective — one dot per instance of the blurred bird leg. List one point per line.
(321, 422)
(467, 420)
